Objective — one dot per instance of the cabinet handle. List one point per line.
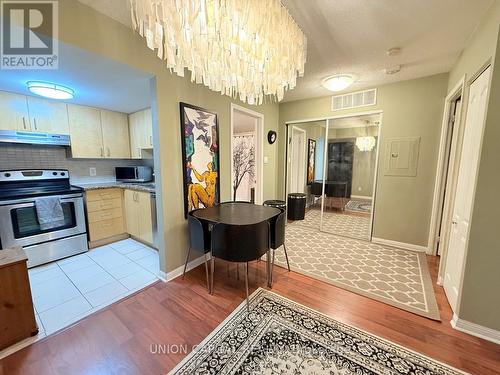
(102, 151)
(34, 122)
(139, 152)
(150, 140)
(24, 123)
(109, 152)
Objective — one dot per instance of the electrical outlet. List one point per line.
(92, 171)
(359, 188)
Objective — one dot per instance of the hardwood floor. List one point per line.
(120, 339)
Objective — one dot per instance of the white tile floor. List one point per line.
(67, 290)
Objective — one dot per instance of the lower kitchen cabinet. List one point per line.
(138, 215)
(105, 216)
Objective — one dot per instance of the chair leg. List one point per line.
(238, 271)
(286, 257)
(272, 267)
(246, 285)
(185, 264)
(212, 261)
(207, 273)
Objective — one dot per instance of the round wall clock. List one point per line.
(271, 137)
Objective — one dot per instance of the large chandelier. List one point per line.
(250, 48)
(365, 143)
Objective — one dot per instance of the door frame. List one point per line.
(327, 119)
(259, 152)
(440, 183)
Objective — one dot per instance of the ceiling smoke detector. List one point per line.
(393, 69)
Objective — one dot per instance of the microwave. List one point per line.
(134, 174)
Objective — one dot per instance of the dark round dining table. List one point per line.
(239, 213)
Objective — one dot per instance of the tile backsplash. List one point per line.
(19, 156)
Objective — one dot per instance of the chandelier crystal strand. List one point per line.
(365, 143)
(249, 48)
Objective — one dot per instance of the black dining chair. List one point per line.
(316, 190)
(239, 243)
(199, 240)
(277, 237)
(336, 190)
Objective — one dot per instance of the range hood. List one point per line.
(33, 138)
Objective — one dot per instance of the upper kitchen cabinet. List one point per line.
(115, 134)
(141, 132)
(14, 110)
(85, 131)
(48, 116)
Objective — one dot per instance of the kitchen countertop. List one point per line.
(146, 186)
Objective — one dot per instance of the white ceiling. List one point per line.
(97, 81)
(352, 36)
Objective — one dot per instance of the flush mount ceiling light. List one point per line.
(50, 90)
(238, 47)
(338, 82)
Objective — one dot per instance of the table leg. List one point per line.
(268, 268)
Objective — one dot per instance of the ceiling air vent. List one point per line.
(354, 100)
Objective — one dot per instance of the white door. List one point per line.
(244, 145)
(298, 161)
(459, 232)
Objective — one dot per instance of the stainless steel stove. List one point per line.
(19, 224)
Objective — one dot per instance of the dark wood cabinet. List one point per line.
(17, 315)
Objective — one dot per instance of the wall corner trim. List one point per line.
(169, 276)
(475, 329)
(400, 245)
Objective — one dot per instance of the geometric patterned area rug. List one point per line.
(279, 336)
(394, 276)
(353, 226)
(360, 206)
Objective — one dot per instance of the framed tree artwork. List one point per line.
(311, 159)
(200, 157)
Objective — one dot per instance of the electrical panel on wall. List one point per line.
(401, 156)
(354, 100)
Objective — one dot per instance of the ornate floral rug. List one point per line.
(279, 336)
(359, 206)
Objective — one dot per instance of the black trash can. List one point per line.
(275, 203)
(296, 206)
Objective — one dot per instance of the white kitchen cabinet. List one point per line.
(141, 132)
(85, 131)
(14, 112)
(48, 116)
(115, 134)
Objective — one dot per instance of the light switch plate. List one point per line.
(92, 171)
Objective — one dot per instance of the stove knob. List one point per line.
(7, 174)
(54, 173)
(63, 174)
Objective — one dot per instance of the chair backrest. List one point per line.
(316, 188)
(278, 230)
(199, 238)
(240, 243)
(335, 190)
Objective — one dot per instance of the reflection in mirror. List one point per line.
(305, 153)
(350, 167)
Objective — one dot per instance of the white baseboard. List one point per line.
(475, 329)
(178, 271)
(361, 197)
(400, 245)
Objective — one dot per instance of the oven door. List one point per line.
(19, 223)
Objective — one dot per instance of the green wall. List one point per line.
(86, 28)
(411, 108)
(480, 299)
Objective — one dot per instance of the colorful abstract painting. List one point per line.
(311, 159)
(200, 153)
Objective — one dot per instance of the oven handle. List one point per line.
(30, 201)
